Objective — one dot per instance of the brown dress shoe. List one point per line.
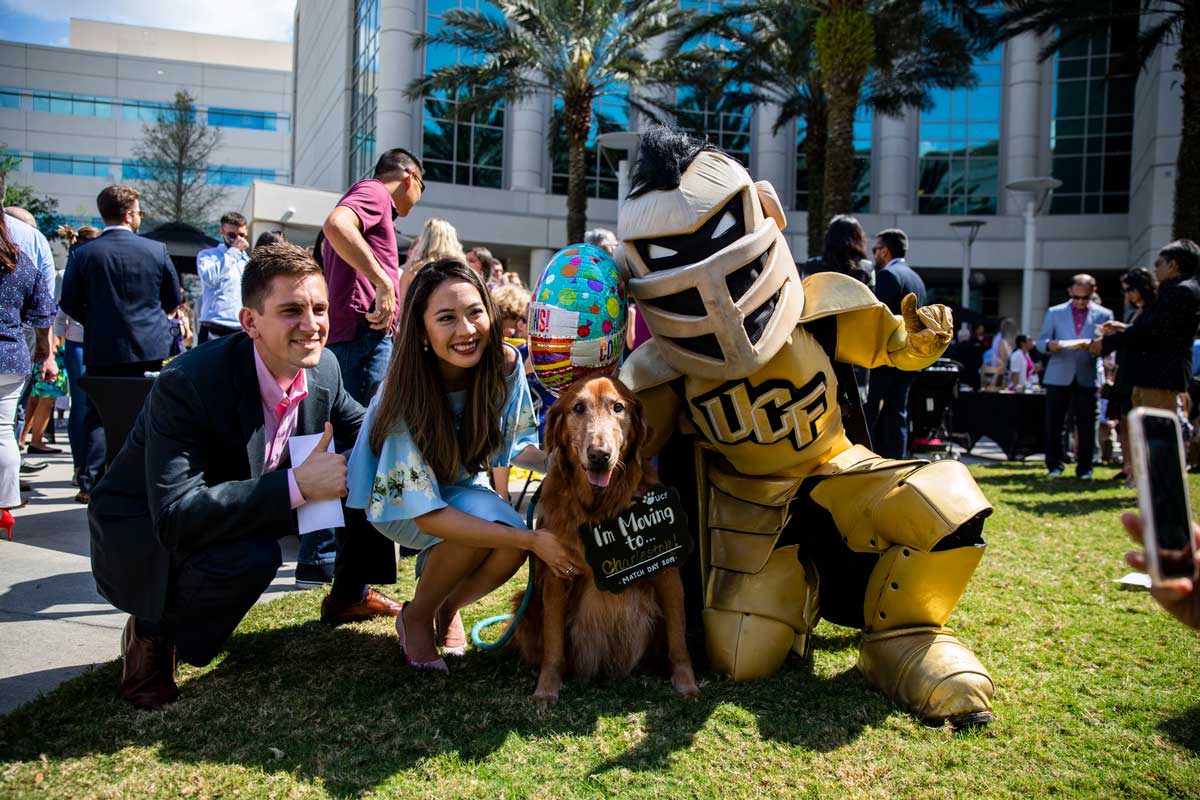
(83, 497)
(373, 604)
(148, 673)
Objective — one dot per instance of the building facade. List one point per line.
(1111, 138)
(75, 115)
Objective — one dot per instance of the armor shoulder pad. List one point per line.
(646, 368)
(828, 293)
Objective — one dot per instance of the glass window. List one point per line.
(61, 164)
(242, 118)
(76, 104)
(608, 114)
(860, 197)
(241, 176)
(728, 129)
(959, 146)
(146, 110)
(364, 84)
(1093, 116)
(10, 98)
(465, 151)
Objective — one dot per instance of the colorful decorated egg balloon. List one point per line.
(577, 317)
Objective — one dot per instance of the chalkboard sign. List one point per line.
(649, 536)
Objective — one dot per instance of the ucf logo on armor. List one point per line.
(739, 411)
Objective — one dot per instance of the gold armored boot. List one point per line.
(919, 665)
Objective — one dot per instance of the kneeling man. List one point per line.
(185, 525)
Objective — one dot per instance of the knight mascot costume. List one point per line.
(796, 522)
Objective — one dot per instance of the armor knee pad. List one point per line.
(896, 502)
(751, 621)
(931, 503)
(909, 587)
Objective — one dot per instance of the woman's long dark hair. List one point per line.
(1142, 279)
(413, 391)
(9, 254)
(845, 247)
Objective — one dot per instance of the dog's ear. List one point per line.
(639, 431)
(552, 439)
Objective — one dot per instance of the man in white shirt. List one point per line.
(220, 269)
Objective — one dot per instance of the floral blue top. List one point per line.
(26, 296)
(399, 485)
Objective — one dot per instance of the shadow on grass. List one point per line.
(1184, 729)
(335, 705)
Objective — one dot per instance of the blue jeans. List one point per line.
(318, 548)
(73, 361)
(364, 361)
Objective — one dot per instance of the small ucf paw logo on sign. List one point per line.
(649, 536)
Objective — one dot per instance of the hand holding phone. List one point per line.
(1178, 596)
(1159, 472)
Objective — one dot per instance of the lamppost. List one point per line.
(1038, 191)
(968, 229)
(627, 143)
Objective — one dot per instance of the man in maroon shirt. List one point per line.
(362, 269)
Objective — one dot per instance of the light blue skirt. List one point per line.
(478, 501)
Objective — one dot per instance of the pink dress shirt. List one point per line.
(281, 406)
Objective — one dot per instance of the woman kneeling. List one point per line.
(454, 404)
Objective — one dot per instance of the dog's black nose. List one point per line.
(598, 457)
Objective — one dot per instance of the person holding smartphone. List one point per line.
(1165, 528)
(1177, 595)
(220, 269)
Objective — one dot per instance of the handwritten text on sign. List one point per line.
(648, 536)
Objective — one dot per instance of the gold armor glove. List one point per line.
(929, 328)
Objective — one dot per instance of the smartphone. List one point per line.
(1160, 474)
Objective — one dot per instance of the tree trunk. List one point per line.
(577, 114)
(839, 150)
(814, 156)
(1187, 172)
(845, 45)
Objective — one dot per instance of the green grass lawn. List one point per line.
(1097, 695)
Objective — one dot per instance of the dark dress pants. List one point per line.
(1082, 402)
(212, 589)
(364, 556)
(887, 411)
(94, 444)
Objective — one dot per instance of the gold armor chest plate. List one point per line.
(782, 420)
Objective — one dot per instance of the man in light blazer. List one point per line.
(186, 522)
(1071, 375)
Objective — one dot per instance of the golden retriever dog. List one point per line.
(594, 437)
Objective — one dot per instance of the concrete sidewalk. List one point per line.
(53, 624)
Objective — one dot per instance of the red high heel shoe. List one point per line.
(7, 522)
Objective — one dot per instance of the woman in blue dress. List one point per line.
(454, 405)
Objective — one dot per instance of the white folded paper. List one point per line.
(315, 515)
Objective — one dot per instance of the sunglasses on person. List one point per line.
(1084, 297)
(417, 177)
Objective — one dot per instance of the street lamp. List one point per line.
(627, 142)
(1038, 191)
(968, 229)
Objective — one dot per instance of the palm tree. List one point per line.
(765, 56)
(819, 60)
(576, 50)
(893, 52)
(1159, 22)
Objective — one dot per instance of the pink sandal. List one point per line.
(436, 665)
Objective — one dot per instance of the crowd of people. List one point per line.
(415, 374)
